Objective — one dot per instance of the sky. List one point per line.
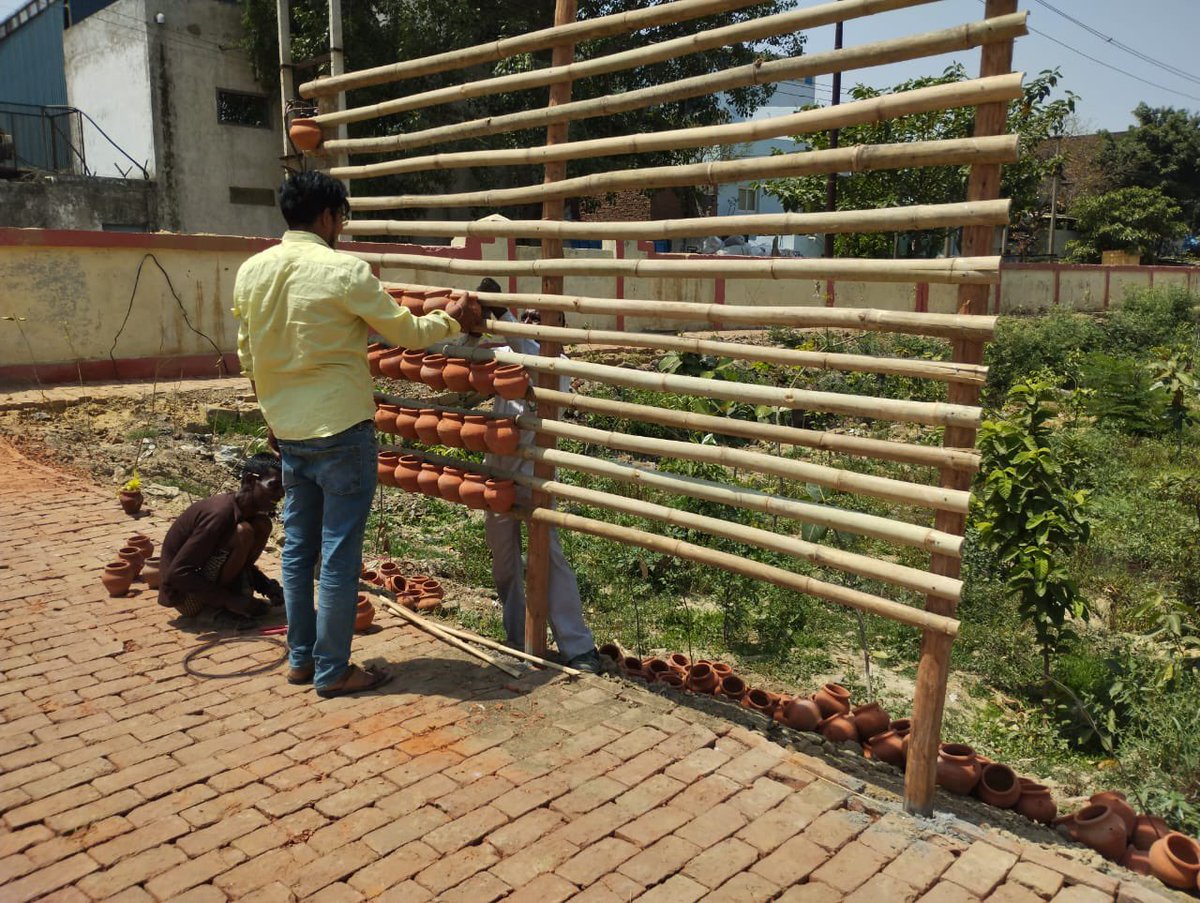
(1166, 31)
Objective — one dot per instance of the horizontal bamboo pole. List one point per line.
(928, 413)
(996, 89)
(855, 159)
(961, 459)
(876, 605)
(950, 40)
(887, 219)
(435, 630)
(949, 271)
(944, 371)
(587, 29)
(882, 528)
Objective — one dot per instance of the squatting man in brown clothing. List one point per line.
(209, 555)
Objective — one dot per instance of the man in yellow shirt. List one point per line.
(304, 312)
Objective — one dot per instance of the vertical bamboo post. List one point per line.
(537, 574)
(287, 81)
(933, 671)
(337, 66)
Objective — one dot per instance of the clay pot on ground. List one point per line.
(870, 719)
(1036, 803)
(151, 572)
(117, 577)
(474, 433)
(482, 376)
(1115, 800)
(502, 436)
(679, 660)
(375, 351)
(1175, 861)
(1147, 829)
(385, 469)
(473, 491)
(1101, 828)
(457, 374)
(388, 568)
(511, 381)
(672, 679)
(431, 371)
(449, 429)
(702, 678)
(391, 363)
(733, 687)
(427, 586)
(888, 747)
(371, 576)
(408, 469)
(957, 768)
(759, 701)
(131, 501)
(142, 543)
(499, 495)
(838, 728)
(397, 583)
(305, 134)
(134, 557)
(631, 667)
(654, 667)
(427, 426)
(364, 613)
(902, 726)
(385, 418)
(427, 479)
(801, 713)
(429, 603)
(998, 786)
(409, 600)
(410, 364)
(449, 482)
(832, 699)
(406, 423)
(609, 650)
(721, 669)
(1136, 860)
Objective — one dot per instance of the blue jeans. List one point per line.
(330, 483)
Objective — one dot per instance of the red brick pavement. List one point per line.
(124, 777)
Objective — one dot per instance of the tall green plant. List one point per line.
(1173, 375)
(1030, 514)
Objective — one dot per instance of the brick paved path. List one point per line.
(123, 777)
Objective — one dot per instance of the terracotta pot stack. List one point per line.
(416, 592)
(134, 558)
(453, 484)
(474, 432)
(453, 374)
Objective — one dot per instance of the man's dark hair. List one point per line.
(306, 195)
(260, 465)
(488, 284)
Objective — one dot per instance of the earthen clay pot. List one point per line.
(870, 719)
(436, 299)
(702, 678)
(482, 375)
(474, 432)
(672, 679)
(134, 557)
(998, 786)
(1036, 803)
(385, 418)
(449, 429)
(386, 468)
(371, 576)
(888, 747)
(406, 423)
(838, 728)
(409, 599)
(117, 577)
(396, 293)
(721, 669)
(502, 436)
(654, 667)
(1115, 800)
(1147, 829)
(631, 667)
(390, 363)
(957, 768)
(611, 651)
(457, 374)
(427, 426)
(733, 687)
(431, 371)
(410, 364)
(1102, 829)
(375, 351)
(397, 583)
(408, 469)
(449, 482)
(414, 301)
(427, 479)
(389, 568)
(902, 726)
(1136, 860)
(131, 501)
(759, 701)
(473, 490)
(499, 495)
(152, 573)
(1175, 861)
(142, 543)
(428, 603)
(832, 699)
(679, 660)
(801, 714)
(511, 381)
(305, 134)
(427, 586)
(364, 614)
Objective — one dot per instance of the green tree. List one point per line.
(1036, 117)
(1161, 152)
(1144, 220)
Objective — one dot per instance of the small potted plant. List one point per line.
(131, 495)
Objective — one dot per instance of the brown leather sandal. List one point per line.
(302, 675)
(354, 680)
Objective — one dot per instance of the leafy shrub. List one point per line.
(1150, 317)
(1122, 395)
(1024, 346)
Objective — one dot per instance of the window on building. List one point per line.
(239, 108)
(747, 200)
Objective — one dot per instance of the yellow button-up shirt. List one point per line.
(304, 312)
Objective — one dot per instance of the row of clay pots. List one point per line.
(134, 558)
(454, 374)
(475, 490)
(421, 301)
(962, 771)
(474, 432)
(415, 592)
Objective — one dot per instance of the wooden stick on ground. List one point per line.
(445, 637)
(508, 650)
